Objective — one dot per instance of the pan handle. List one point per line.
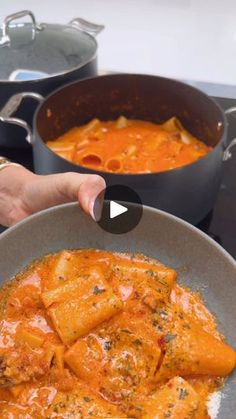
(227, 153)
(231, 110)
(6, 40)
(12, 105)
(85, 26)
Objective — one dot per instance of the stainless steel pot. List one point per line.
(189, 191)
(40, 57)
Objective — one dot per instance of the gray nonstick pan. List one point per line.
(200, 262)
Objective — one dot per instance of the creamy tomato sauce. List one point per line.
(129, 146)
(89, 333)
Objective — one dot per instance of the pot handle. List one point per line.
(227, 153)
(12, 105)
(85, 26)
(5, 40)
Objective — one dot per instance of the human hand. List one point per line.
(23, 193)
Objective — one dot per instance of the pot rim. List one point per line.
(133, 175)
(60, 73)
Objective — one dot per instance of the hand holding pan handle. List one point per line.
(12, 105)
(227, 153)
(5, 40)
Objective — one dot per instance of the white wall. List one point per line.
(189, 39)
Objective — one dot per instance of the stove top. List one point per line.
(220, 223)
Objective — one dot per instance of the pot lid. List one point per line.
(32, 51)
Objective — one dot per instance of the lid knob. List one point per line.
(5, 40)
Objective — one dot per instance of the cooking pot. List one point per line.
(189, 191)
(200, 262)
(40, 57)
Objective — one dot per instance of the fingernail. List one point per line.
(91, 209)
(95, 208)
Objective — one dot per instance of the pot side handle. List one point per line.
(227, 153)
(85, 26)
(12, 105)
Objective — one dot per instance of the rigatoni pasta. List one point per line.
(129, 146)
(89, 333)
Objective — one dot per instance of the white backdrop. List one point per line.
(188, 39)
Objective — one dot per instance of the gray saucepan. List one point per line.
(189, 192)
(200, 262)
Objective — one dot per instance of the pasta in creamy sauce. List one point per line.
(129, 146)
(90, 333)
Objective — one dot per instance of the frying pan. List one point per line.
(200, 262)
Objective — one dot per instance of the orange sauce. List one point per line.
(89, 333)
(129, 146)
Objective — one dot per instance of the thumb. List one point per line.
(68, 187)
(84, 188)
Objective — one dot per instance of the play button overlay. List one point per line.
(118, 209)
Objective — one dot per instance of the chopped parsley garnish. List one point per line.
(137, 342)
(139, 408)
(107, 345)
(183, 394)
(163, 314)
(98, 290)
(150, 272)
(162, 282)
(169, 337)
